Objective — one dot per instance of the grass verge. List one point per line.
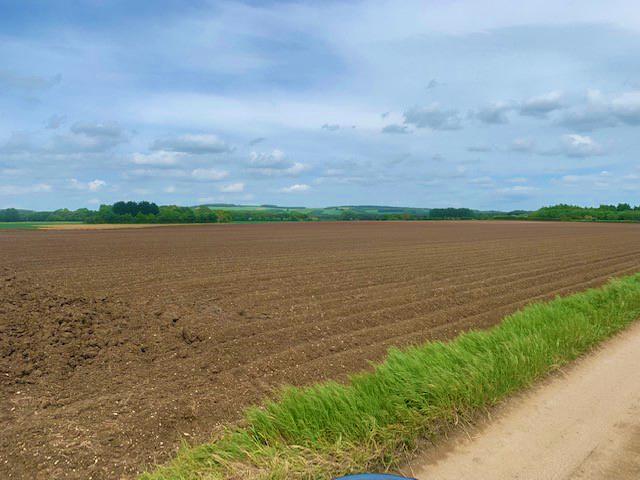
(377, 417)
(31, 225)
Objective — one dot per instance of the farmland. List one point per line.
(119, 344)
(32, 225)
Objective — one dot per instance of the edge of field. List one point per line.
(113, 226)
(375, 420)
(34, 225)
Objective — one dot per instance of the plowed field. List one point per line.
(116, 345)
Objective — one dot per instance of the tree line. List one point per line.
(149, 212)
(622, 212)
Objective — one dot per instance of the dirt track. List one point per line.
(116, 345)
(583, 425)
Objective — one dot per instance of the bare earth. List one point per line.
(584, 425)
(105, 226)
(116, 345)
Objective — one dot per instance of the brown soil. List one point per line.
(104, 226)
(116, 345)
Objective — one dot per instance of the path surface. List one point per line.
(584, 425)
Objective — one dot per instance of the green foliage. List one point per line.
(62, 215)
(10, 215)
(148, 212)
(622, 212)
(332, 429)
(28, 225)
(135, 208)
(452, 213)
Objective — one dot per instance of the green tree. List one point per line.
(9, 215)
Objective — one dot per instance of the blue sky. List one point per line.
(491, 105)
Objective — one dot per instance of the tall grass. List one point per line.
(373, 420)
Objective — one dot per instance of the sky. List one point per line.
(436, 103)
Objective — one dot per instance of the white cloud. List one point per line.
(232, 188)
(275, 164)
(101, 130)
(209, 174)
(602, 180)
(157, 173)
(273, 159)
(92, 186)
(485, 182)
(297, 188)
(72, 143)
(496, 113)
(192, 143)
(594, 113)
(570, 145)
(542, 105)
(574, 145)
(294, 170)
(88, 138)
(433, 117)
(600, 111)
(588, 118)
(157, 158)
(197, 174)
(96, 185)
(397, 129)
(626, 107)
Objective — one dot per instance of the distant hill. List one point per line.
(233, 206)
(359, 210)
(148, 212)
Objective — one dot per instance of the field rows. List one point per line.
(208, 319)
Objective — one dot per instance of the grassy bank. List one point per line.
(372, 421)
(31, 225)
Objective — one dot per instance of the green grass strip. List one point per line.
(371, 422)
(30, 225)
